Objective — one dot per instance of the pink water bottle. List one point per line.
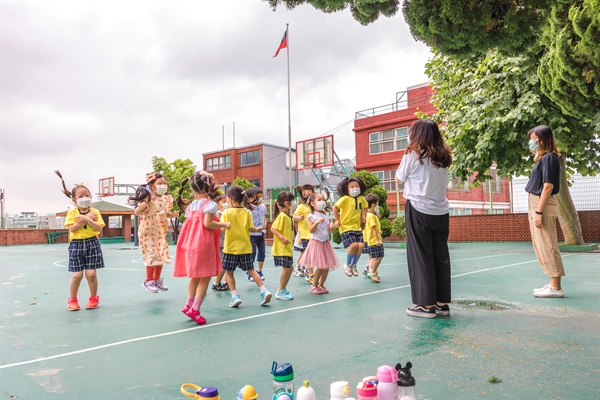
(367, 389)
(387, 387)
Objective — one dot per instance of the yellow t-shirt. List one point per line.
(303, 209)
(350, 210)
(237, 238)
(87, 231)
(372, 221)
(284, 224)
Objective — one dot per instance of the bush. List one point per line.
(337, 237)
(386, 227)
(399, 227)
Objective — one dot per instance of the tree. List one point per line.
(570, 68)
(463, 27)
(488, 104)
(364, 11)
(243, 182)
(567, 30)
(174, 173)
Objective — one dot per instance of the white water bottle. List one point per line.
(339, 390)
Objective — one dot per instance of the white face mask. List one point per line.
(354, 192)
(293, 205)
(320, 205)
(84, 202)
(376, 210)
(225, 206)
(161, 189)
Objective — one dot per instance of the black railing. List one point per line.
(400, 104)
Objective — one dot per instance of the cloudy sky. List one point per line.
(97, 88)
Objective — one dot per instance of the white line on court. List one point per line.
(105, 346)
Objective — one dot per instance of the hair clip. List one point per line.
(151, 177)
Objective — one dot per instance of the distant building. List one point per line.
(381, 138)
(265, 165)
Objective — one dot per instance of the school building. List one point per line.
(381, 135)
(265, 165)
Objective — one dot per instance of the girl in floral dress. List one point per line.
(153, 208)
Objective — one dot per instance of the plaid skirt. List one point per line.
(85, 254)
(374, 251)
(232, 261)
(283, 261)
(350, 237)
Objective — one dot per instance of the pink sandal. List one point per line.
(324, 289)
(195, 316)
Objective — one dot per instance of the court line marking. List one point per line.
(267, 314)
(57, 263)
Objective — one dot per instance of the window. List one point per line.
(388, 180)
(250, 157)
(222, 162)
(388, 140)
(495, 184)
(458, 185)
(459, 211)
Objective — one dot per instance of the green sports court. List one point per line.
(139, 345)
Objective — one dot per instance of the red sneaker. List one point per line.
(92, 302)
(73, 304)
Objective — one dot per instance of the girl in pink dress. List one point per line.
(319, 253)
(197, 254)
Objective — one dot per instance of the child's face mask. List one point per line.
(161, 189)
(320, 205)
(354, 192)
(84, 202)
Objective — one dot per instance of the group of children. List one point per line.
(223, 232)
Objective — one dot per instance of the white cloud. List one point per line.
(97, 88)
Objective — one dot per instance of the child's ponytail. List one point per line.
(65, 190)
(70, 194)
(181, 202)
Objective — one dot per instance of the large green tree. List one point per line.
(468, 26)
(488, 103)
(364, 11)
(570, 68)
(174, 173)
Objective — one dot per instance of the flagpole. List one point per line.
(287, 27)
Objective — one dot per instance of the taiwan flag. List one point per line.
(282, 45)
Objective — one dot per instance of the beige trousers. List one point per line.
(545, 240)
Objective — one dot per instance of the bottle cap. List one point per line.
(207, 392)
(366, 389)
(387, 373)
(247, 393)
(283, 372)
(405, 377)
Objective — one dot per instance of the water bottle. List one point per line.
(202, 393)
(305, 392)
(367, 389)
(338, 390)
(387, 387)
(283, 381)
(247, 393)
(406, 382)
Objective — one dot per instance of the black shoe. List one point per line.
(216, 286)
(224, 287)
(442, 310)
(421, 311)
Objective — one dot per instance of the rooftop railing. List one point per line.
(402, 103)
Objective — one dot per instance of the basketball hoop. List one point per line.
(106, 187)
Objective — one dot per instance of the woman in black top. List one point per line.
(544, 183)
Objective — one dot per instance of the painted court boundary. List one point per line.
(159, 335)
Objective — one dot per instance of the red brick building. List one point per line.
(381, 138)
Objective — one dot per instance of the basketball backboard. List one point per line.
(314, 153)
(106, 187)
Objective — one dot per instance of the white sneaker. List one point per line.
(540, 289)
(549, 291)
(348, 269)
(354, 270)
(150, 286)
(160, 285)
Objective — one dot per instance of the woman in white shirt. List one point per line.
(424, 172)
